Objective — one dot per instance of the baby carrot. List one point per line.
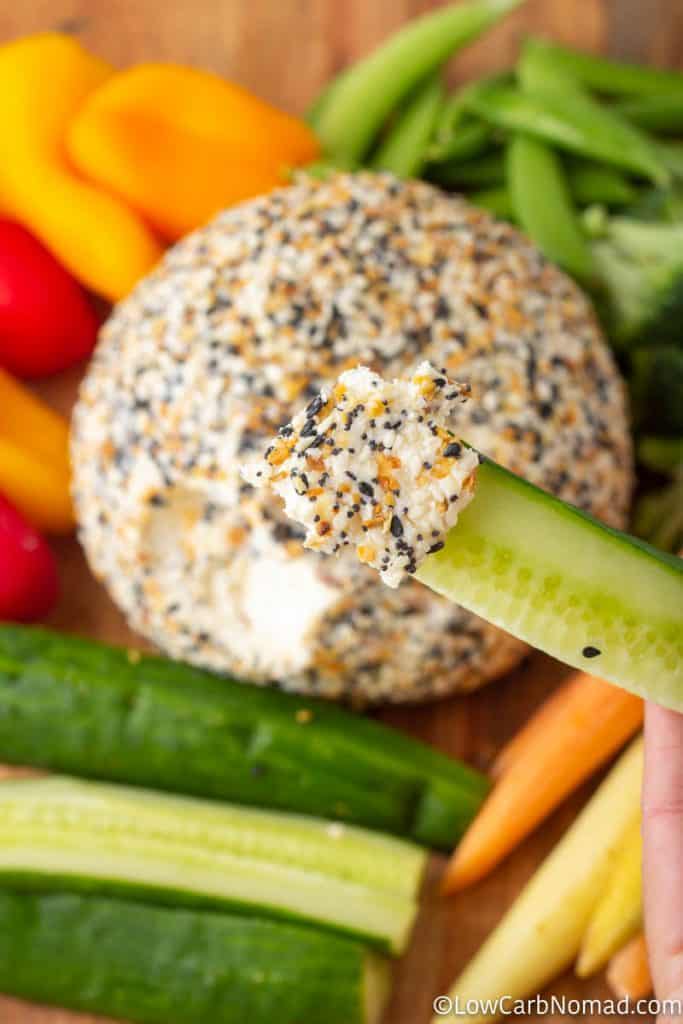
(579, 728)
(628, 973)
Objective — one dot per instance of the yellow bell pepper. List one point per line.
(180, 144)
(34, 458)
(43, 81)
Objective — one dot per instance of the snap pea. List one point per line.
(496, 200)
(543, 206)
(591, 182)
(604, 75)
(588, 183)
(454, 117)
(404, 148)
(485, 171)
(357, 107)
(672, 155)
(659, 113)
(569, 118)
(468, 140)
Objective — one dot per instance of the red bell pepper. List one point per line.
(29, 584)
(47, 322)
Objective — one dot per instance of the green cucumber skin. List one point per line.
(153, 722)
(152, 965)
(61, 833)
(558, 579)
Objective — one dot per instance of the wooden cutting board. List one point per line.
(284, 49)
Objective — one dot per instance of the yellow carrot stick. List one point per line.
(628, 973)
(619, 913)
(582, 725)
(541, 933)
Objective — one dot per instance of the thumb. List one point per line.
(663, 852)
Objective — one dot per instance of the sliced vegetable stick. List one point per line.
(586, 722)
(628, 972)
(541, 933)
(579, 690)
(619, 913)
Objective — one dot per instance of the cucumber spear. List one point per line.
(375, 464)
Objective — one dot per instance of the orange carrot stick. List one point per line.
(628, 972)
(579, 728)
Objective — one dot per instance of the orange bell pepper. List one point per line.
(180, 144)
(34, 458)
(43, 81)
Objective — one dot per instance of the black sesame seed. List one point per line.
(396, 527)
(452, 450)
(435, 547)
(591, 652)
(366, 489)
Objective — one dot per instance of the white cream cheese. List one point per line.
(373, 464)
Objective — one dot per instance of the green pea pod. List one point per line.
(591, 182)
(486, 171)
(543, 206)
(614, 78)
(496, 200)
(672, 155)
(569, 118)
(350, 119)
(454, 116)
(404, 149)
(468, 140)
(662, 113)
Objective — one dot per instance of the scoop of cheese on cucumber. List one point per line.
(381, 466)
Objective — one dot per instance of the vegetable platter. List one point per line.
(245, 41)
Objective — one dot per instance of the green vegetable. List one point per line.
(591, 182)
(484, 171)
(572, 120)
(658, 113)
(672, 155)
(640, 265)
(403, 150)
(60, 832)
(661, 454)
(553, 576)
(455, 109)
(496, 200)
(152, 722)
(657, 389)
(358, 105)
(605, 75)
(588, 183)
(534, 171)
(658, 517)
(469, 139)
(156, 965)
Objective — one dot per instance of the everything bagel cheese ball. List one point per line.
(238, 327)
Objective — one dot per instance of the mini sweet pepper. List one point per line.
(179, 144)
(34, 458)
(43, 81)
(47, 322)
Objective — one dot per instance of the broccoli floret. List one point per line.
(640, 270)
(656, 381)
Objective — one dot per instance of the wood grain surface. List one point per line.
(284, 49)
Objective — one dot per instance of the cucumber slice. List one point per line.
(180, 850)
(148, 721)
(553, 576)
(155, 965)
